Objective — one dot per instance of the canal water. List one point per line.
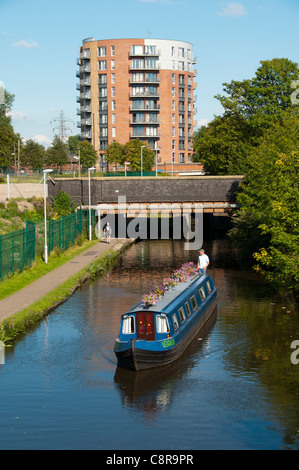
(234, 388)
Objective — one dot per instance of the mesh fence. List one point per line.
(62, 232)
(17, 250)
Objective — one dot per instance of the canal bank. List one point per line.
(23, 309)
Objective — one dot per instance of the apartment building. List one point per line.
(138, 89)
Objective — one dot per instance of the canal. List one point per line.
(234, 388)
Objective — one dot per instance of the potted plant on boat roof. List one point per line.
(150, 299)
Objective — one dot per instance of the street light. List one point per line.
(78, 158)
(45, 213)
(142, 146)
(89, 200)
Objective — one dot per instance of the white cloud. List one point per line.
(27, 44)
(202, 122)
(42, 139)
(233, 10)
(19, 116)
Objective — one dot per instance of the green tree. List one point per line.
(88, 155)
(33, 154)
(7, 141)
(132, 154)
(115, 153)
(63, 204)
(57, 153)
(251, 107)
(5, 107)
(74, 144)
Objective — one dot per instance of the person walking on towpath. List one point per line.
(203, 261)
(107, 231)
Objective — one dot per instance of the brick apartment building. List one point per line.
(138, 88)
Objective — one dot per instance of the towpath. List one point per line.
(43, 286)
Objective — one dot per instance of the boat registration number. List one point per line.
(167, 343)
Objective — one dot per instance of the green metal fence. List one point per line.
(62, 232)
(17, 250)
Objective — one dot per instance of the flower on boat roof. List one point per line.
(179, 275)
(150, 299)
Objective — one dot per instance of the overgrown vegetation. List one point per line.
(258, 136)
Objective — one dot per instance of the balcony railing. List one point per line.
(144, 80)
(143, 53)
(139, 68)
(144, 94)
(144, 108)
(144, 135)
(144, 121)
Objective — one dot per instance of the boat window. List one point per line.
(182, 314)
(128, 325)
(202, 293)
(162, 324)
(193, 302)
(175, 321)
(209, 287)
(188, 309)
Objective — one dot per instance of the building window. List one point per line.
(173, 78)
(137, 50)
(173, 106)
(102, 51)
(113, 118)
(113, 132)
(173, 132)
(102, 79)
(103, 144)
(103, 92)
(173, 119)
(173, 145)
(103, 119)
(113, 105)
(112, 64)
(182, 158)
(113, 91)
(102, 64)
(113, 78)
(112, 50)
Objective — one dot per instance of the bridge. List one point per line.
(216, 194)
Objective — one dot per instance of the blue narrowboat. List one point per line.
(157, 335)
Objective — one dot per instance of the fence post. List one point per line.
(1, 270)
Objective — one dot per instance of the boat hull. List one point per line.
(137, 358)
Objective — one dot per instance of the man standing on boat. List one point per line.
(203, 261)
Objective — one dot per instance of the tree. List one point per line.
(33, 154)
(74, 143)
(251, 107)
(5, 107)
(63, 204)
(57, 153)
(88, 155)
(266, 226)
(7, 141)
(132, 154)
(115, 153)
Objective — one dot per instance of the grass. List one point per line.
(40, 268)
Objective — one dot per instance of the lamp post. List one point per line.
(79, 156)
(126, 164)
(142, 146)
(89, 200)
(45, 213)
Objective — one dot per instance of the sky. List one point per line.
(39, 46)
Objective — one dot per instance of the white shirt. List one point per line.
(203, 261)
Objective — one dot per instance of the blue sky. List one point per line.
(39, 44)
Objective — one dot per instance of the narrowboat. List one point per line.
(156, 335)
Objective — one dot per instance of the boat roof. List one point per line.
(165, 304)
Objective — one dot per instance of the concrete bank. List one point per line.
(28, 296)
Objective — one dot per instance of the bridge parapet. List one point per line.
(216, 193)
